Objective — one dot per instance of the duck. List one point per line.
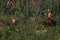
(49, 21)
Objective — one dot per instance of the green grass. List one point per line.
(26, 29)
(27, 34)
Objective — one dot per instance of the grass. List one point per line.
(27, 34)
(28, 31)
(26, 28)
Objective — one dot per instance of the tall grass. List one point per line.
(29, 26)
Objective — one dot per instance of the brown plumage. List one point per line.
(49, 21)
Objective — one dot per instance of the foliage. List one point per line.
(30, 20)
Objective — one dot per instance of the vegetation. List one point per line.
(29, 20)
